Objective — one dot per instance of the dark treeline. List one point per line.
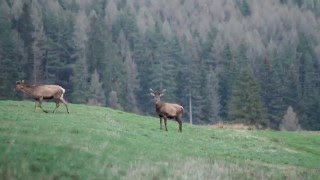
(235, 60)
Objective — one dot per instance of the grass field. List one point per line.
(101, 143)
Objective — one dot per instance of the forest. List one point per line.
(248, 61)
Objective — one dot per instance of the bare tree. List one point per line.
(290, 121)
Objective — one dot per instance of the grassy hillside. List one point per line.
(99, 143)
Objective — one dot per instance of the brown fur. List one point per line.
(41, 92)
(167, 110)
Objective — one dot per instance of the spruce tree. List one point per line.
(80, 75)
(10, 68)
(96, 94)
(96, 44)
(246, 105)
(226, 75)
(38, 44)
(212, 99)
(272, 90)
(309, 81)
(58, 25)
(79, 79)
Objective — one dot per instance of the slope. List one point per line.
(98, 143)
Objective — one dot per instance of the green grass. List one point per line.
(100, 143)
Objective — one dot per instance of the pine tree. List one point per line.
(208, 53)
(226, 74)
(212, 108)
(38, 44)
(10, 68)
(58, 25)
(245, 104)
(143, 54)
(132, 82)
(272, 89)
(22, 23)
(80, 75)
(96, 44)
(126, 23)
(190, 83)
(244, 7)
(309, 81)
(79, 79)
(156, 42)
(96, 93)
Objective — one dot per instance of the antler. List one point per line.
(20, 82)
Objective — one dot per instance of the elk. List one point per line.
(167, 110)
(41, 92)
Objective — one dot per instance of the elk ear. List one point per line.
(22, 81)
(152, 94)
(17, 82)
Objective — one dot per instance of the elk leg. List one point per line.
(160, 122)
(180, 123)
(35, 106)
(180, 126)
(57, 105)
(65, 103)
(40, 105)
(165, 123)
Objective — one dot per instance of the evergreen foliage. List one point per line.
(96, 93)
(212, 99)
(231, 62)
(246, 105)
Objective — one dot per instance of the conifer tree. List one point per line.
(80, 75)
(9, 56)
(22, 23)
(59, 32)
(212, 99)
(38, 44)
(96, 94)
(272, 90)
(79, 79)
(226, 74)
(131, 82)
(96, 43)
(246, 105)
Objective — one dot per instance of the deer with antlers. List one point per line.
(167, 110)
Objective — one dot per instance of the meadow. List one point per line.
(101, 143)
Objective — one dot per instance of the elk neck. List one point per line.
(28, 90)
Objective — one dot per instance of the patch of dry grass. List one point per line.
(240, 126)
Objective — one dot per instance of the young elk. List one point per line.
(167, 110)
(41, 92)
